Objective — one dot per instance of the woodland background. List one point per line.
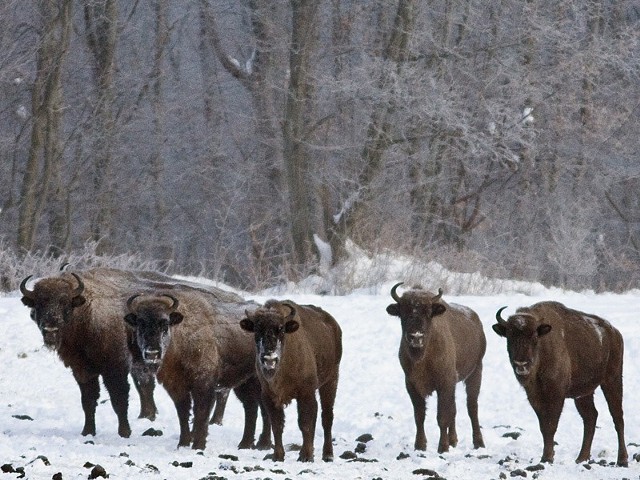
(220, 138)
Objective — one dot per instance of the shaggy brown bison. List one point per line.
(81, 319)
(441, 345)
(298, 351)
(557, 353)
(197, 349)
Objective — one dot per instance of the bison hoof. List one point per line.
(327, 458)
(124, 432)
(264, 444)
(245, 444)
(88, 431)
(305, 458)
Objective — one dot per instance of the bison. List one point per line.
(556, 353)
(80, 318)
(298, 351)
(441, 345)
(197, 350)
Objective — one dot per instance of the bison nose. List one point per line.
(47, 329)
(416, 339)
(269, 361)
(521, 368)
(151, 355)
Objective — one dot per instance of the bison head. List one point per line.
(151, 318)
(52, 302)
(416, 309)
(270, 326)
(522, 331)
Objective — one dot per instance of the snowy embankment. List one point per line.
(41, 414)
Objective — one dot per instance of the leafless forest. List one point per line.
(221, 137)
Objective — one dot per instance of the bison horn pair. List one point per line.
(28, 293)
(173, 307)
(395, 296)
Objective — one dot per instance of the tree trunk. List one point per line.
(101, 31)
(45, 151)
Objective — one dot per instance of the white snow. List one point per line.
(371, 399)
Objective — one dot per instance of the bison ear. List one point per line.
(543, 329)
(437, 309)
(291, 326)
(77, 301)
(28, 302)
(499, 329)
(131, 319)
(175, 318)
(247, 325)
(394, 310)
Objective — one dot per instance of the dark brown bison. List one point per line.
(559, 353)
(441, 345)
(298, 351)
(196, 347)
(81, 319)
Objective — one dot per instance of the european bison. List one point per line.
(557, 353)
(441, 345)
(298, 351)
(81, 319)
(197, 348)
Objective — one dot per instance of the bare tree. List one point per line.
(42, 173)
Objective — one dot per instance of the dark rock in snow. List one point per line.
(226, 456)
(98, 471)
(57, 476)
(152, 432)
(348, 455)
(518, 473)
(23, 417)
(514, 435)
(426, 471)
(365, 438)
(402, 456)
(360, 448)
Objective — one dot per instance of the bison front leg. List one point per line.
(419, 410)
(183, 408)
(276, 417)
(446, 417)
(248, 393)
(307, 416)
(548, 417)
(144, 382)
(589, 414)
(89, 394)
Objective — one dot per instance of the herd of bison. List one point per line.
(200, 342)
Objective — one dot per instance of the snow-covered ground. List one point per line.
(371, 399)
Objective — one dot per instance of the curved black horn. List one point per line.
(80, 288)
(63, 267)
(23, 287)
(394, 295)
(175, 303)
(131, 299)
(438, 296)
(292, 313)
(499, 318)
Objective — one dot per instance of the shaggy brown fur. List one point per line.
(299, 348)
(195, 344)
(559, 353)
(441, 345)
